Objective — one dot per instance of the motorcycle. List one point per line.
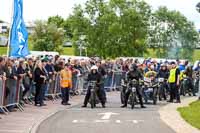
(162, 89)
(133, 93)
(185, 88)
(150, 91)
(93, 97)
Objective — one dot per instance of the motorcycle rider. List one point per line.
(189, 75)
(95, 76)
(163, 73)
(134, 73)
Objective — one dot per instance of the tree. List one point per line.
(111, 29)
(171, 34)
(57, 20)
(47, 37)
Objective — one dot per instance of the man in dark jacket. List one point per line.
(134, 73)
(189, 74)
(163, 73)
(94, 76)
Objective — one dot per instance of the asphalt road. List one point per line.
(112, 119)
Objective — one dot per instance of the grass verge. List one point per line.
(191, 114)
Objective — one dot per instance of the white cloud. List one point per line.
(39, 9)
(42, 9)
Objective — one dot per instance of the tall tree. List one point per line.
(171, 34)
(47, 37)
(57, 20)
(112, 29)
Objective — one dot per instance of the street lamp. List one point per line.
(81, 47)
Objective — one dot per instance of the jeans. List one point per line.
(74, 83)
(40, 92)
(65, 95)
(174, 92)
(47, 88)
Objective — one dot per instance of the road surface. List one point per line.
(111, 119)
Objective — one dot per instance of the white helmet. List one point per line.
(94, 68)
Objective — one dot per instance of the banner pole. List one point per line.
(12, 12)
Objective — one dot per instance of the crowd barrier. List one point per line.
(2, 96)
(14, 90)
(53, 87)
(112, 80)
(82, 84)
(10, 90)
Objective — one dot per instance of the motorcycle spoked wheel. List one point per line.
(155, 92)
(133, 100)
(92, 100)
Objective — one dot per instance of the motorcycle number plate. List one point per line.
(134, 89)
(161, 79)
(150, 89)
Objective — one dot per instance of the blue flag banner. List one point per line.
(18, 32)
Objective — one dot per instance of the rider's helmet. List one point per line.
(94, 68)
(163, 65)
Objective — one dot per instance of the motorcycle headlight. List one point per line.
(133, 89)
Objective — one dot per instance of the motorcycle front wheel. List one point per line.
(132, 98)
(92, 101)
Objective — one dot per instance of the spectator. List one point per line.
(40, 79)
(66, 84)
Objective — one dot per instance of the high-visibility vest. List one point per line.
(66, 79)
(172, 76)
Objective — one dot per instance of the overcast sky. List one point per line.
(42, 9)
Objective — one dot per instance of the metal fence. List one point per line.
(2, 96)
(112, 80)
(10, 95)
(11, 90)
(54, 89)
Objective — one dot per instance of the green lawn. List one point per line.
(196, 55)
(3, 50)
(70, 51)
(191, 114)
(66, 51)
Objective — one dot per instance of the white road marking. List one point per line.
(107, 115)
(135, 121)
(118, 121)
(107, 121)
(11, 131)
(79, 121)
(102, 121)
(75, 121)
